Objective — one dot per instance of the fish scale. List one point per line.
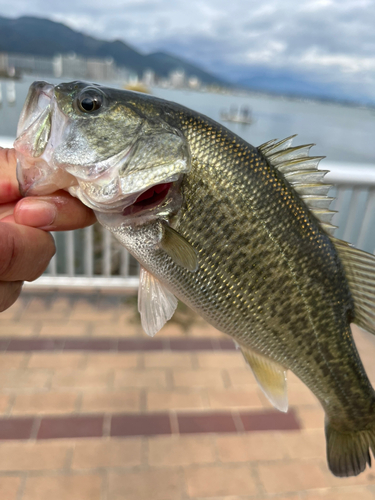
(293, 317)
(242, 300)
(307, 331)
(242, 234)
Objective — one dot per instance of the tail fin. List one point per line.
(348, 452)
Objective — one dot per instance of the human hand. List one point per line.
(25, 246)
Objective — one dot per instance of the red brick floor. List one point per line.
(92, 409)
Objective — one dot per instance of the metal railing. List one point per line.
(92, 258)
(89, 258)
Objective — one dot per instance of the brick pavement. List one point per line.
(80, 365)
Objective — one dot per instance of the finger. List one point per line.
(9, 218)
(8, 180)
(9, 293)
(6, 209)
(24, 252)
(58, 212)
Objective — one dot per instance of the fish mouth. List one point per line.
(149, 199)
(140, 181)
(36, 105)
(36, 173)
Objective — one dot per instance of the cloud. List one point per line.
(330, 38)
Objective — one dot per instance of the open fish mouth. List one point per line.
(137, 204)
(149, 199)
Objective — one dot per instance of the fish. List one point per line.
(241, 234)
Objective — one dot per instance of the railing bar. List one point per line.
(124, 262)
(69, 248)
(338, 204)
(114, 282)
(352, 219)
(366, 221)
(89, 251)
(339, 198)
(52, 267)
(106, 252)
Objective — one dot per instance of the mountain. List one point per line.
(167, 63)
(42, 37)
(284, 82)
(45, 38)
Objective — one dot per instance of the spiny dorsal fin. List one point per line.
(156, 304)
(179, 249)
(301, 171)
(360, 272)
(270, 376)
(275, 145)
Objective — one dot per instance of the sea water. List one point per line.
(342, 133)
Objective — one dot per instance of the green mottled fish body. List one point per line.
(268, 275)
(240, 234)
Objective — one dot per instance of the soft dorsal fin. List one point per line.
(360, 272)
(301, 171)
(270, 376)
(156, 304)
(179, 249)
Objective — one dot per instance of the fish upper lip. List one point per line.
(30, 115)
(48, 94)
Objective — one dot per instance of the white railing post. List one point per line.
(88, 251)
(69, 249)
(351, 221)
(106, 252)
(368, 218)
(124, 270)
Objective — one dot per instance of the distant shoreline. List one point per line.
(301, 97)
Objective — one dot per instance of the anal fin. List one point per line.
(271, 377)
(156, 304)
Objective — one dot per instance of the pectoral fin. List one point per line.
(270, 376)
(156, 304)
(180, 250)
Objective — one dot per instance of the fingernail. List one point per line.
(35, 213)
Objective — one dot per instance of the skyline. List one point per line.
(327, 41)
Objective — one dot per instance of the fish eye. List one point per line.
(87, 103)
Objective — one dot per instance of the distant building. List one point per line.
(132, 79)
(65, 66)
(149, 78)
(3, 62)
(73, 66)
(30, 64)
(88, 69)
(194, 82)
(177, 78)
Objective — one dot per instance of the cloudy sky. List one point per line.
(329, 40)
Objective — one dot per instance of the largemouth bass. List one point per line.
(241, 234)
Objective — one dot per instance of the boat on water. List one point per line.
(237, 115)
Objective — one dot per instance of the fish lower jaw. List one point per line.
(163, 198)
(105, 207)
